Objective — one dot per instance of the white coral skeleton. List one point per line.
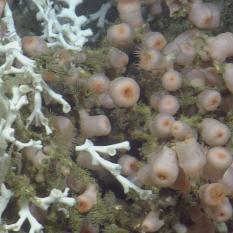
(13, 52)
(57, 31)
(55, 196)
(113, 168)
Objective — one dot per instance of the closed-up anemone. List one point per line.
(186, 54)
(154, 40)
(220, 47)
(34, 46)
(204, 15)
(150, 59)
(98, 83)
(118, 59)
(196, 78)
(160, 125)
(65, 132)
(120, 35)
(223, 212)
(220, 213)
(93, 126)
(87, 200)
(130, 12)
(106, 101)
(142, 177)
(164, 168)
(168, 104)
(172, 80)
(36, 157)
(191, 157)
(128, 164)
(124, 91)
(212, 194)
(154, 100)
(219, 160)
(181, 130)
(218, 135)
(209, 100)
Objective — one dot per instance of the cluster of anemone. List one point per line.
(191, 158)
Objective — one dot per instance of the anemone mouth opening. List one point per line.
(158, 44)
(166, 123)
(219, 134)
(133, 166)
(97, 87)
(128, 92)
(213, 102)
(162, 176)
(217, 194)
(172, 78)
(221, 214)
(207, 20)
(221, 155)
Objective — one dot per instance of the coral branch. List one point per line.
(13, 52)
(113, 168)
(55, 196)
(57, 33)
(25, 214)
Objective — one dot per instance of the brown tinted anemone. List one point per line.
(65, 132)
(150, 59)
(87, 200)
(34, 46)
(120, 34)
(212, 194)
(124, 91)
(94, 126)
(130, 12)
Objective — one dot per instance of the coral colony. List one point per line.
(116, 124)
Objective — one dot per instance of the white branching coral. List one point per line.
(61, 26)
(5, 197)
(100, 18)
(55, 196)
(100, 15)
(13, 105)
(25, 214)
(113, 168)
(12, 50)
